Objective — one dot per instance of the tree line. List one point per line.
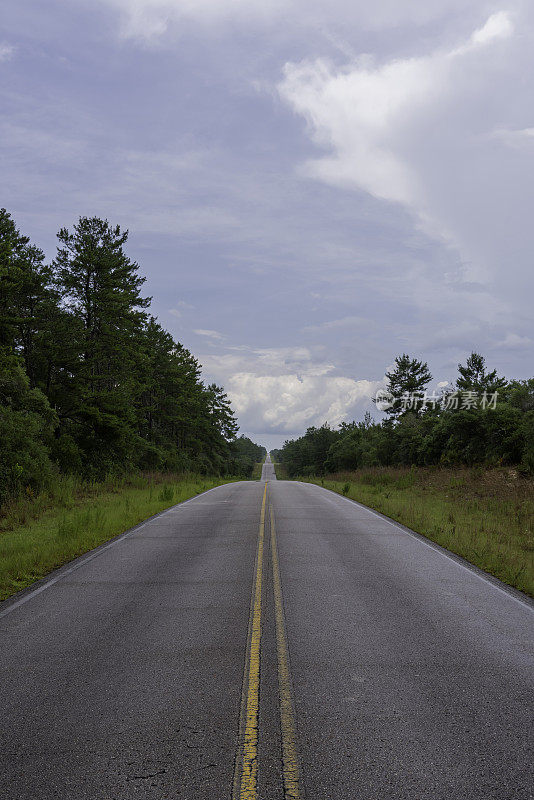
(483, 419)
(90, 383)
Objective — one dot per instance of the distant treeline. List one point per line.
(482, 420)
(90, 383)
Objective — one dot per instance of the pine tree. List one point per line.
(410, 378)
(171, 405)
(28, 302)
(473, 377)
(100, 287)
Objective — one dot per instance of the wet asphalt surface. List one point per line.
(412, 675)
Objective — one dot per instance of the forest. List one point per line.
(481, 420)
(90, 383)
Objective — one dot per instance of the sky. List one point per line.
(311, 188)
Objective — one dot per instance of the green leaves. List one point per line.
(409, 379)
(88, 379)
(26, 426)
(473, 376)
(490, 435)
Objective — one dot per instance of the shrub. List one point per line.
(26, 424)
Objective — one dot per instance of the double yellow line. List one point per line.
(246, 774)
(246, 769)
(287, 715)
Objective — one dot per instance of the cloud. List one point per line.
(498, 26)
(434, 130)
(523, 137)
(180, 307)
(513, 341)
(208, 334)
(365, 114)
(426, 133)
(285, 403)
(150, 20)
(6, 51)
(286, 389)
(350, 322)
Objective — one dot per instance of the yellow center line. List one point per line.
(246, 777)
(292, 788)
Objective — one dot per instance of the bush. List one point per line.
(527, 456)
(26, 424)
(149, 456)
(66, 453)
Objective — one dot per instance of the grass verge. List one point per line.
(256, 472)
(485, 516)
(39, 534)
(281, 472)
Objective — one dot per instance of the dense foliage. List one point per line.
(484, 420)
(90, 383)
(246, 455)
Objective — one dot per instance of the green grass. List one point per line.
(256, 472)
(280, 471)
(486, 516)
(39, 534)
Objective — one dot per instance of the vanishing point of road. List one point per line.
(267, 640)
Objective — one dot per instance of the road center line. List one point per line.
(292, 786)
(246, 776)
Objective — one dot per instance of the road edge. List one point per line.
(516, 594)
(23, 595)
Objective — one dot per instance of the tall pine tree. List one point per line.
(96, 394)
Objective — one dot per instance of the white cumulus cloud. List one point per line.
(287, 403)
(287, 389)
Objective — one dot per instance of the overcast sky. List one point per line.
(311, 187)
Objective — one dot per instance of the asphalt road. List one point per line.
(260, 636)
(267, 470)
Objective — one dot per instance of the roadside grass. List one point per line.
(485, 516)
(281, 472)
(256, 472)
(39, 534)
